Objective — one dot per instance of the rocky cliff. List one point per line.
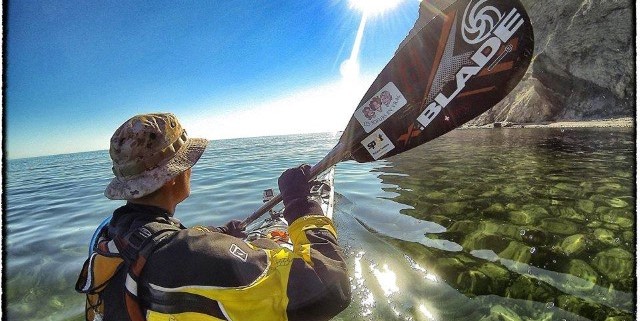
(583, 66)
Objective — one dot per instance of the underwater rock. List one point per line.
(566, 187)
(473, 283)
(511, 191)
(536, 210)
(436, 195)
(594, 224)
(55, 303)
(464, 227)
(586, 206)
(521, 218)
(605, 236)
(440, 219)
(512, 206)
(558, 226)
(494, 209)
(568, 212)
(609, 187)
(581, 307)
(501, 313)
(616, 264)
(599, 198)
(581, 269)
(449, 268)
(499, 228)
(610, 226)
(480, 240)
(516, 251)
(616, 202)
(574, 244)
(620, 318)
(534, 237)
(499, 277)
(453, 208)
(616, 217)
(527, 288)
(490, 194)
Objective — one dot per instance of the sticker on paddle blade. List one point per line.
(380, 107)
(378, 144)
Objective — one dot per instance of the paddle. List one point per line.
(460, 64)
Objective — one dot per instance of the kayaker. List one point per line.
(148, 266)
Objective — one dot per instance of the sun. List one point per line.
(373, 7)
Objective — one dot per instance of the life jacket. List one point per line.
(110, 259)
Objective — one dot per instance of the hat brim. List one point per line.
(151, 180)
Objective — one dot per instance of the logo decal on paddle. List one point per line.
(482, 24)
(378, 144)
(380, 107)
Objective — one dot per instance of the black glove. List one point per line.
(294, 187)
(233, 228)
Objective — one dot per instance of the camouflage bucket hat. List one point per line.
(147, 151)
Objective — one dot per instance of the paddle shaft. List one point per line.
(339, 153)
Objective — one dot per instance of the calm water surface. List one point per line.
(509, 224)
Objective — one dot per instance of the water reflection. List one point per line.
(539, 215)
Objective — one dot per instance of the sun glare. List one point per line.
(373, 7)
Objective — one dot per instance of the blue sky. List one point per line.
(75, 70)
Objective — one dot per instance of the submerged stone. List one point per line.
(511, 191)
(534, 237)
(581, 307)
(501, 313)
(436, 195)
(473, 282)
(605, 236)
(594, 224)
(574, 244)
(516, 251)
(56, 303)
(449, 268)
(494, 209)
(620, 318)
(499, 277)
(624, 222)
(616, 202)
(481, 241)
(609, 187)
(464, 227)
(559, 226)
(568, 212)
(527, 288)
(536, 210)
(440, 219)
(586, 206)
(453, 208)
(512, 206)
(490, 194)
(566, 187)
(521, 218)
(581, 269)
(616, 264)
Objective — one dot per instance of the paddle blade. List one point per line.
(460, 64)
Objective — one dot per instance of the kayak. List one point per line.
(275, 227)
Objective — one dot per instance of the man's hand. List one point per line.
(294, 187)
(233, 228)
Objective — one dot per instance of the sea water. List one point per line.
(516, 224)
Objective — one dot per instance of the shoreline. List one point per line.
(623, 122)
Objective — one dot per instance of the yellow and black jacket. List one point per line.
(201, 274)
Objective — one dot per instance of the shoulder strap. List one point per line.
(135, 248)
